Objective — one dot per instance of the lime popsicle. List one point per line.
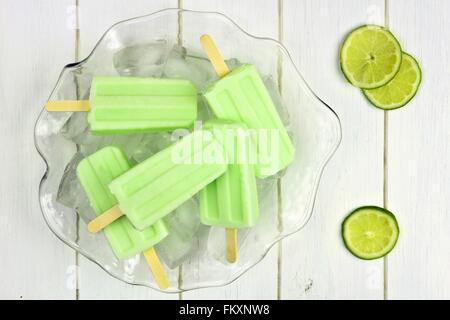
(130, 104)
(231, 200)
(160, 184)
(240, 95)
(95, 173)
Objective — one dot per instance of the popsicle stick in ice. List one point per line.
(231, 244)
(222, 70)
(104, 219)
(67, 106)
(156, 268)
(214, 55)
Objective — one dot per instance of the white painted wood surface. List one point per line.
(418, 157)
(314, 264)
(34, 263)
(38, 38)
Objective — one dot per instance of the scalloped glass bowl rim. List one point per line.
(281, 47)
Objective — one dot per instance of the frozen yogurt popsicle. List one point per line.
(130, 104)
(160, 184)
(231, 201)
(95, 173)
(240, 95)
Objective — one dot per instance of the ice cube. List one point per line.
(266, 187)
(70, 192)
(88, 149)
(198, 70)
(129, 143)
(75, 126)
(233, 63)
(88, 143)
(142, 60)
(150, 144)
(204, 113)
(76, 129)
(183, 238)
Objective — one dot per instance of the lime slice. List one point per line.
(370, 232)
(370, 56)
(400, 90)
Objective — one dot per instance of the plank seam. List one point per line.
(77, 56)
(279, 204)
(385, 166)
(180, 41)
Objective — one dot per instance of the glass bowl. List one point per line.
(166, 44)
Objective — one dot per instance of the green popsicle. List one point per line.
(95, 173)
(129, 104)
(231, 200)
(241, 96)
(160, 184)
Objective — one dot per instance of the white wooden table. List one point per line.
(399, 159)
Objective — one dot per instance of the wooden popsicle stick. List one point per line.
(104, 219)
(156, 268)
(214, 55)
(67, 106)
(231, 244)
(222, 70)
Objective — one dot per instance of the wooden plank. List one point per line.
(259, 282)
(418, 175)
(315, 263)
(95, 18)
(35, 264)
